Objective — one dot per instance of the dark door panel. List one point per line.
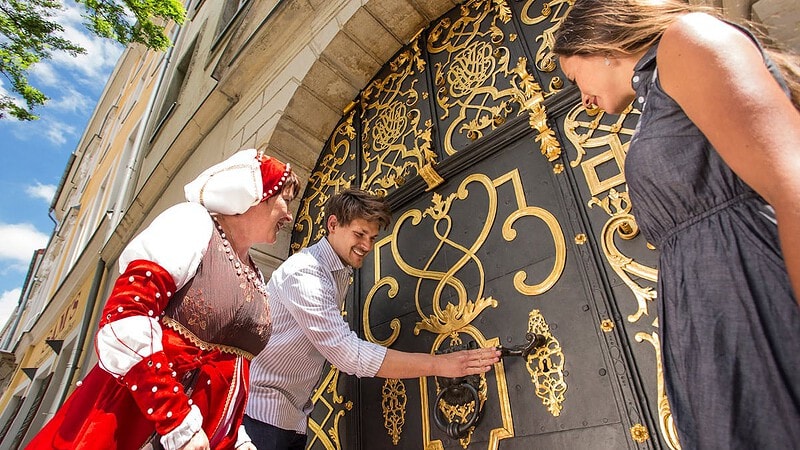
(510, 216)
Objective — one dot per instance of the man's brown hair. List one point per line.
(352, 204)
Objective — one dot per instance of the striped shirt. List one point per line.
(306, 294)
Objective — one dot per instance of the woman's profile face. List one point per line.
(275, 215)
(603, 82)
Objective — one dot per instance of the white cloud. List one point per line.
(56, 131)
(18, 241)
(91, 68)
(42, 191)
(46, 73)
(72, 101)
(101, 55)
(8, 301)
(3, 90)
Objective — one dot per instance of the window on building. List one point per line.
(87, 225)
(173, 90)
(37, 401)
(10, 414)
(192, 7)
(123, 183)
(229, 11)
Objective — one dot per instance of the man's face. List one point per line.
(353, 241)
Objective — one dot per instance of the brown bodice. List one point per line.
(221, 307)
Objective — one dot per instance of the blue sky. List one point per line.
(33, 155)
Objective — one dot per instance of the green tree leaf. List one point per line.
(30, 33)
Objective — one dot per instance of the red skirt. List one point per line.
(102, 414)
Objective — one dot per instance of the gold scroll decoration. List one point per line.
(476, 81)
(395, 145)
(530, 97)
(621, 223)
(327, 396)
(667, 422)
(328, 178)
(466, 81)
(556, 11)
(505, 428)
(530, 94)
(455, 315)
(595, 133)
(600, 135)
(393, 403)
(546, 366)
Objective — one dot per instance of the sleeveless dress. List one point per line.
(729, 323)
(210, 330)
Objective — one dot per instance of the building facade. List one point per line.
(511, 215)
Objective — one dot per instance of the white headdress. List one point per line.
(238, 183)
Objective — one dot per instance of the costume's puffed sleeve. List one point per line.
(156, 264)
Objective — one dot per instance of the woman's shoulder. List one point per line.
(700, 32)
(184, 216)
(707, 46)
(183, 225)
(188, 211)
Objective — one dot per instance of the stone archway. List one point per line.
(327, 53)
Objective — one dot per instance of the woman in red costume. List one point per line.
(185, 317)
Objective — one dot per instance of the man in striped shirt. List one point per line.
(306, 294)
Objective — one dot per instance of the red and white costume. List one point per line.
(179, 328)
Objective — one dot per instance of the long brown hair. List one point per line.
(607, 27)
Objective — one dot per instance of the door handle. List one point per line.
(535, 341)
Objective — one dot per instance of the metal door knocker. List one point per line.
(458, 404)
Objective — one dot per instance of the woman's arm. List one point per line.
(129, 341)
(718, 76)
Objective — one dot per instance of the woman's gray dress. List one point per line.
(730, 325)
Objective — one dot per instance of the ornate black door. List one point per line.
(510, 217)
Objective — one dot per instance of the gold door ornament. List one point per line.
(639, 433)
(328, 178)
(546, 366)
(457, 314)
(395, 144)
(556, 11)
(393, 404)
(505, 428)
(602, 139)
(474, 61)
(598, 139)
(624, 225)
(327, 396)
(476, 79)
(453, 317)
(667, 422)
(530, 97)
(461, 413)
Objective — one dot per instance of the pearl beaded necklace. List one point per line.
(243, 271)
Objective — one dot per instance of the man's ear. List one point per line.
(332, 223)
